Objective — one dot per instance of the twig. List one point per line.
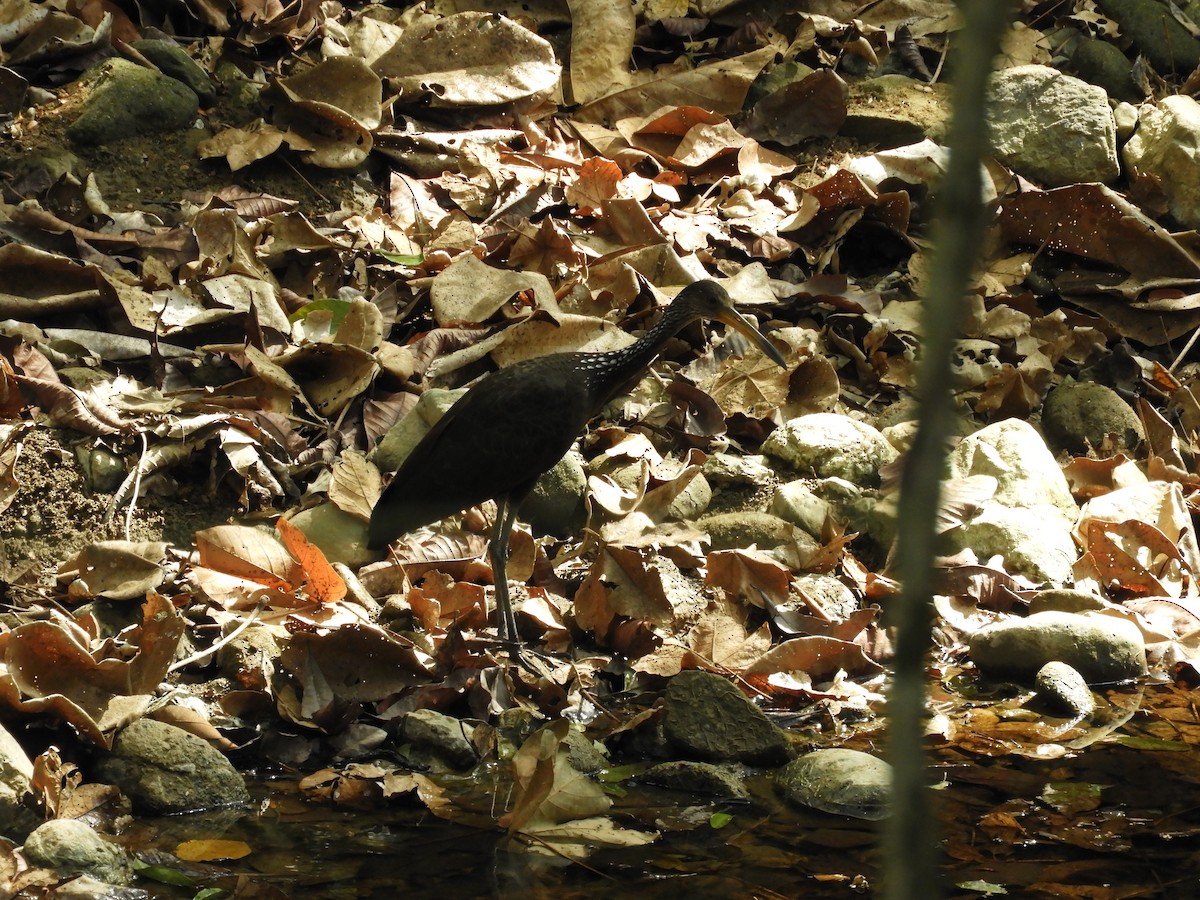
(137, 486)
(209, 651)
(1184, 352)
(911, 852)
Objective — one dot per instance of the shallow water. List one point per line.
(1112, 821)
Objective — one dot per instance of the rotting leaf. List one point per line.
(752, 575)
(354, 662)
(550, 790)
(1098, 224)
(620, 583)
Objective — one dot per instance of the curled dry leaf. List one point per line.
(812, 107)
(1106, 228)
(550, 789)
(819, 657)
(355, 485)
(333, 107)
(469, 59)
(116, 570)
(602, 39)
(470, 291)
(247, 553)
(48, 667)
(362, 663)
(620, 583)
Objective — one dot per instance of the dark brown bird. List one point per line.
(517, 423)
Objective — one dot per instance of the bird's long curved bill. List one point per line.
(738, 322)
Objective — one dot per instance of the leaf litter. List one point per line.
(383, 201)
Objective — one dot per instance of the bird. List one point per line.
(515, 424)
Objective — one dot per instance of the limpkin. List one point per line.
(517, 423)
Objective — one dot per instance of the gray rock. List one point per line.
(1126, 116)
(1065, 600)
(796, 503)
(1079, 415)
(691, 502)
(1052, 128)
(852, 505)
(1035, 542)
(1025, 470)
(1062, 690)
(71, 848)
(1156, 34)
(1164, 155)
(163, 769)
(555, 506)
(839, 781)
(445, 737)
(173, 60)
(104, 470)
(707, 718)
(894, 110)
(1102, 63)
(1101, 648)
(700, 778)
(16, 774)
(729, 468)
(729, 531)
(831, 446)
(125, 100)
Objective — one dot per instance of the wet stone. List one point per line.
(839, 781)
(707, 718)
(1062, 690)
(1101, 648)
(163, 769)
(71, 848)
(173, 61)
(701, 778)
(1083, 415)
(444, 736)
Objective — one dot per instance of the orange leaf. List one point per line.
(209, 850)
(324, 584)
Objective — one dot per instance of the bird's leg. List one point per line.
(506, 514)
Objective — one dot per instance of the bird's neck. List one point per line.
(615, 373)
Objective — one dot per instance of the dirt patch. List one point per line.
(55, 514)
(153, 173)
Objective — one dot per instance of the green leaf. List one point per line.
(162, 874)
(402, 259)
(982, 887)
(719, 820)
(339, 308)
(614, 774)
(1148, 743)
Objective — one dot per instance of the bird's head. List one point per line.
(708, 300)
